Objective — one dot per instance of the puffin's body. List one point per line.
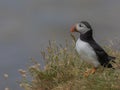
(88, 49)
(86, 52)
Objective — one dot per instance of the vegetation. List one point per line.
(64, 71)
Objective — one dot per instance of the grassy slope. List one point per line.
(64, 71)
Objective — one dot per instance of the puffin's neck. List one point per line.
(87, 36)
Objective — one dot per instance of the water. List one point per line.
(27, 25)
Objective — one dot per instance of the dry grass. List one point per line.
(64, 71)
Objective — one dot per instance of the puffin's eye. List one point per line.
(80, 25)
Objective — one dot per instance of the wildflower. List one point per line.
(5, 76)
(22, 72)
(7, 88)
(36, 66)
(21, 85)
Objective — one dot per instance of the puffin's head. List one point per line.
(81, 27)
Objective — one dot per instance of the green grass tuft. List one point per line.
(64, 71)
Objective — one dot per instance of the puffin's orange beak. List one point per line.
(73, 29)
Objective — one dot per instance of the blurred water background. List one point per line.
(28, 25)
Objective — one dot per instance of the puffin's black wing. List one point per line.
(103, 57)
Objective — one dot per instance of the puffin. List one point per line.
(89, 50)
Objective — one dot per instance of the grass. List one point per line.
(64, 71)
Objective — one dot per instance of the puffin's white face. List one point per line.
(82, 28)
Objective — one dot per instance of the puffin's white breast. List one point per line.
(86, 52)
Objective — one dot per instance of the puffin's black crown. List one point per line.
(86, 24)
